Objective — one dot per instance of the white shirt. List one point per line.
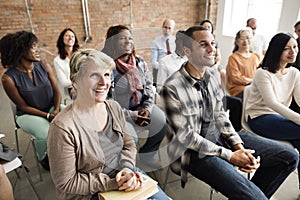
(167, 66)
(62, 68)
(159, 49)
(259, 44)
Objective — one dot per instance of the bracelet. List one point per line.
(48, 115)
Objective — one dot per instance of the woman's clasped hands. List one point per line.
(129, 180)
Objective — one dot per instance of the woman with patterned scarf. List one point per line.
(133, 90)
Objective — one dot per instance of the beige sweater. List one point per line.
(272, 94)
(76, 158)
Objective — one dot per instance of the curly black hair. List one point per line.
(13, 46)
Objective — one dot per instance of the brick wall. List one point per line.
(50, 17)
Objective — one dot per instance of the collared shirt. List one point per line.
(167, 66)
(159, 49)
(182, 103)
(259, 44)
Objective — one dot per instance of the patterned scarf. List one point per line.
(130, 70)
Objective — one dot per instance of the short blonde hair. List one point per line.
(85, 57)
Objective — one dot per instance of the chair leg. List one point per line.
(30, 182)
(166, 178)
(17, 139)
(36, 160)
(211, 196)
(27, 148)
(15, 182)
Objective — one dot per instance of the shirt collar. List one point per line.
(193, 81)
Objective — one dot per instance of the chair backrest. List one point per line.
(14, 112)
(244, 114)
(13, 108)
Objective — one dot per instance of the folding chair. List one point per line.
(32, 141)
(14, 165)
(175, 168)
(245, 115)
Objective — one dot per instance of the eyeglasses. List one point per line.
(244, 38)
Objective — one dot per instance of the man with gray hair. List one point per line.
(259, 43)
(162, 45)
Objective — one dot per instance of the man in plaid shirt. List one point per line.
(201, 135)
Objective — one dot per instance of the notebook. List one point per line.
(148, 189)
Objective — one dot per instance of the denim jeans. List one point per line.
(160, 195)
(277, 127)
(277, 162)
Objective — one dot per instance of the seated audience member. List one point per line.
(242, 64)
(5, 186)
(31, 86)
(162, 45)
(297, 31)
(172, 62)
(296, 64)
(273, 87)
(233, 104)
(90, 149)
(133, 91)
(67, 44)
(209, 25)
(202, 137)
(259, 43)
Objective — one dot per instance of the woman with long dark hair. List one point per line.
(67, 44)
(274, 85)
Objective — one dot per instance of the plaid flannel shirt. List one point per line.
(183, 107)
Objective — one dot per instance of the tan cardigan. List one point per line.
(76, 158)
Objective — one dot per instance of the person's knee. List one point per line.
(157, 115)
(292, 158)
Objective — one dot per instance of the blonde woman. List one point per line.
(90, 148)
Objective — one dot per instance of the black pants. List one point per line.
(235, 106)
(294, 106)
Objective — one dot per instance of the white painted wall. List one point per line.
(288, 18)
